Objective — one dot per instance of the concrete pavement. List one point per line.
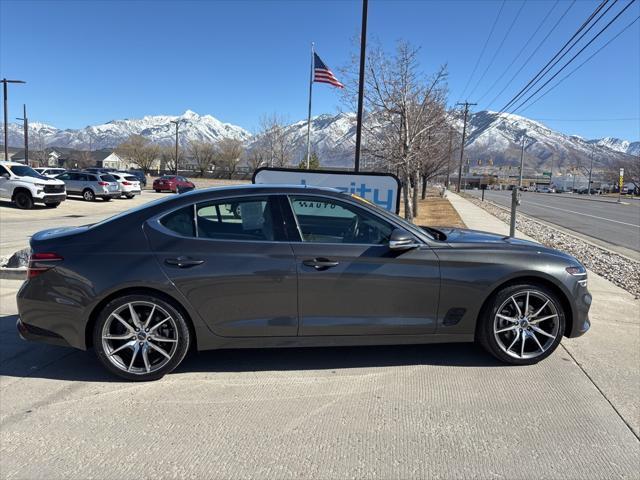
(610, 352)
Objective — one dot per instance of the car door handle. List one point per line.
(320, 263)
(183, 262)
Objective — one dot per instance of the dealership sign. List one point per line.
(382, 189)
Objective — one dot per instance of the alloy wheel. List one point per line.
(140, 337)
(526, 324)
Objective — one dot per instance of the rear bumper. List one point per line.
(37, 334)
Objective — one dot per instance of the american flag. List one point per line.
(322, 74)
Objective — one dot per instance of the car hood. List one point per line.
(465, 238)
(44, 180)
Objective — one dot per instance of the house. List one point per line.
(49, 157)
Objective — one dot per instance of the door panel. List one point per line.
(371, 290)
(240, 288)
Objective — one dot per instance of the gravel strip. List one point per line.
(618, 269)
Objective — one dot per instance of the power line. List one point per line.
(576, 55)
(543, 71)
(535, 50)
(484, 47)
(517, 56)
(495, 54)
(577, 68)
(566, 52)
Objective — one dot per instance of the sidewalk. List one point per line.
(609, 353)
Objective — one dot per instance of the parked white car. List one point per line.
(23, 186)
(50, 172)
(129, 184)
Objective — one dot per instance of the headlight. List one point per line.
(40, 185)
(580, 272)
(577, 271)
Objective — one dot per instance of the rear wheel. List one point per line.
(88, 195)
(129, 196)
(106, 199)
(157, 190)
(523, 324)
(23, 200)
(140, 337)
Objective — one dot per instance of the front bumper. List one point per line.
(50, 198)
(581, 323)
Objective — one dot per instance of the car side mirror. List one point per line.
(402, 240)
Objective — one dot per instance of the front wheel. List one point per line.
(23, 200)
(52, 204)
(140, 337)
(523, 324)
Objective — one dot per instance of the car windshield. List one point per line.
(25, 171)
(410, 227)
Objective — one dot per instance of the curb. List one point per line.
(13, 273)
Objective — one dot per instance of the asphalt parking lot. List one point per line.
(436, 411)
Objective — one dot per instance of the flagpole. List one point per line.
(309, 115)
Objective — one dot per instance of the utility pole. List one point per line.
(449, 157)
(176, 123)
(516, 192)
(521, 160)
(593, 150)
(363, 51)
(464, 135)
(6, 116)
(26, 133)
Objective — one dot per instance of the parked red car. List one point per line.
(172, 183)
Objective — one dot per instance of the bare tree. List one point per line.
(139, 150)
(632, 170)
(204, 156)
(275, 138)
(405, 108)
(257, 157)
(228, 155)
(38, 149)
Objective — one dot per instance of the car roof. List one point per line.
(12, 164)
(283, 188)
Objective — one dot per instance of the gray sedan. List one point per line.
(283, 266)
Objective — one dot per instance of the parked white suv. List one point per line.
(24, 186)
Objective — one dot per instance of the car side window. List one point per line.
(180, 221)
(324, 220)
(237, 219)
(64, 176)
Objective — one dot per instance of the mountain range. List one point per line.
(492, 138)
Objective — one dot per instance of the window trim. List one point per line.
(155, 221)
(339, 200)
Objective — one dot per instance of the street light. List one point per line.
(26, 133)
(6, 121)
(176, 123)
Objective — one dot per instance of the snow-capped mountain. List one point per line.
(158, 128)
(624, 146)
(491, 138)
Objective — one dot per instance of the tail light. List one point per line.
(127, 183)
(41, 262)
(103, 184)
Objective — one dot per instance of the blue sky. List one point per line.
(90, 62)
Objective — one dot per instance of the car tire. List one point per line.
(52, 204)
(106, 199)
(88, 195)
(23, 200)
(157, 190)
(129, 196)
(169, 323)
(505, 331)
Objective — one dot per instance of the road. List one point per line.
(605, 221)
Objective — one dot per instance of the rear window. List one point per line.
(107, 178)
(131, 179)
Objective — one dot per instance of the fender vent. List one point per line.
(453, 316)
